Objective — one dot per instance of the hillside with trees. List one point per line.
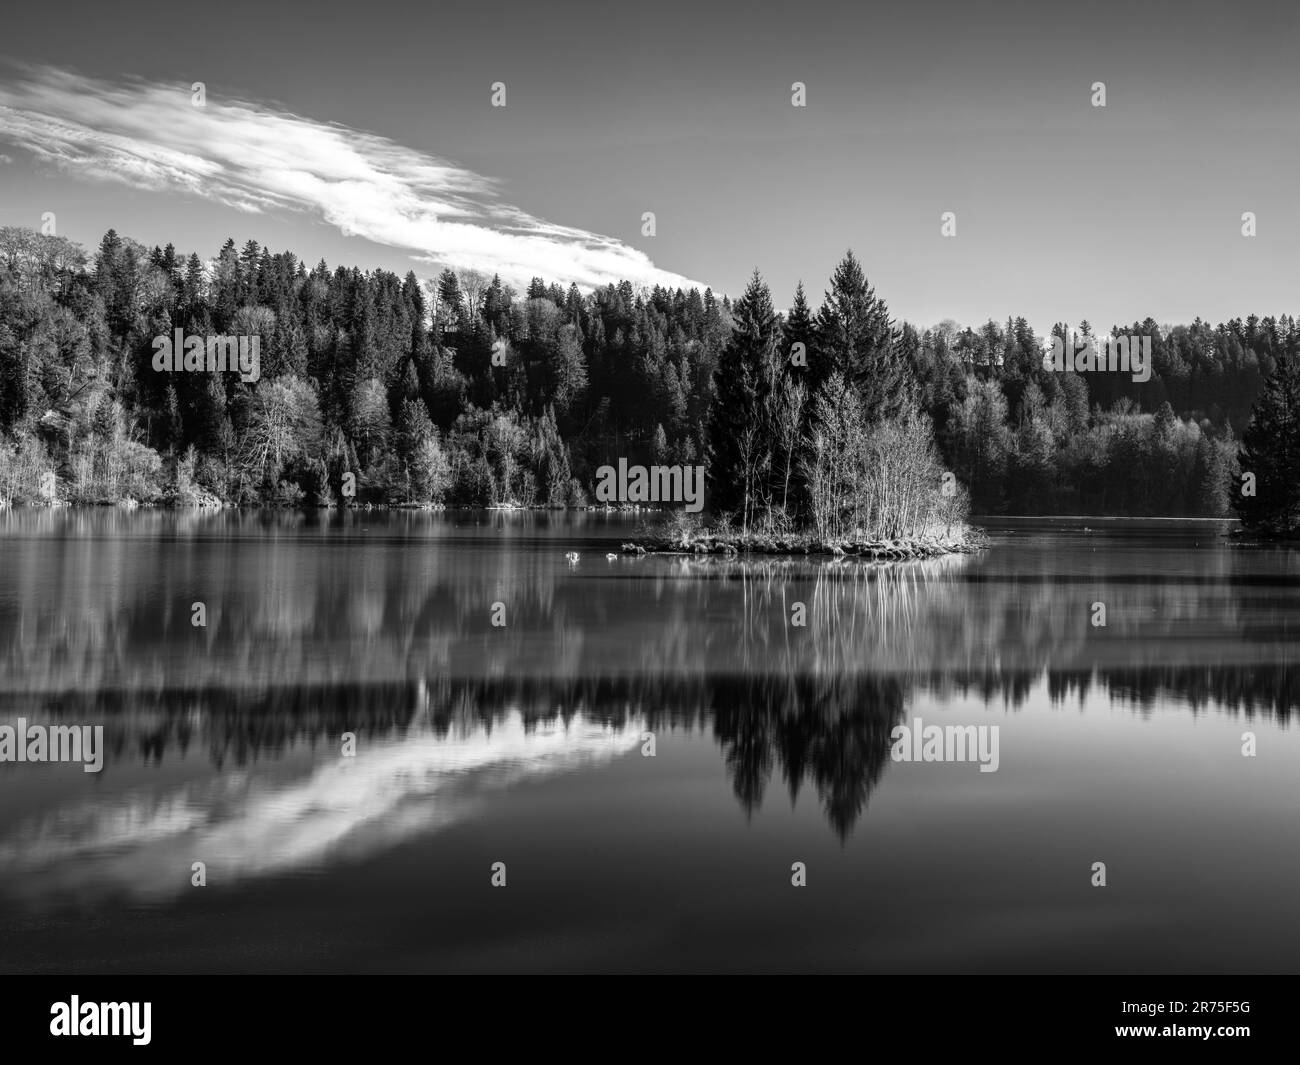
(462, 390)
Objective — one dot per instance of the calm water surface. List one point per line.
(523, 744)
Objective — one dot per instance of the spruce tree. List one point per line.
(799, 325)
(450, 300)
(226, 286)
(193, 285)
(739, 436)
(248, 260)
(855, 338)
(1270, 451)
(573, 304)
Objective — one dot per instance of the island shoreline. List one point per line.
(900, 549)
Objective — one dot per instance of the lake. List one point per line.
(646, 745)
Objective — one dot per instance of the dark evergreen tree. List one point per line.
(450, 300)
(227, 286)
(856, 339)
(799, 328)
(739, 438)
(1270, 455)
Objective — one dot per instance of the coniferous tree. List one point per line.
(248, 262)
(855, 339)
(799, 327)
(739, 438)
(226, 283)
(1270, 451)
(450, 300)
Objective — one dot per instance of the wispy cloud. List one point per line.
(257, 159)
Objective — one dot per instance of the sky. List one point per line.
(365, 134)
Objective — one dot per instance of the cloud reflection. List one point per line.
(246, 826)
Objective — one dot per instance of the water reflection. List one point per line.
(242, 825)
(378, 598)
(380, 625)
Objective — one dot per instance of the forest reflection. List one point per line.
(317, 626)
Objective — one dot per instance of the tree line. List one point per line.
(464, 390)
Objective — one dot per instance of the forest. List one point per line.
(459, 389)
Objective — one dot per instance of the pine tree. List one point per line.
(573, 305)
(450, 300)
(1270, 451)
(855, 338)
(739, 436)
(266, 288)
(192, 285)
(495, 304)
(799, 322)
(226, 285)
(248, 260)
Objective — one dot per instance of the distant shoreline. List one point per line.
(305, 507)
(975, 520)
(985, 519)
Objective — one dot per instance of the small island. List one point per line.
(710, 542)
(834, 456)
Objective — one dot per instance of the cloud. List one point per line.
(256, 159)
